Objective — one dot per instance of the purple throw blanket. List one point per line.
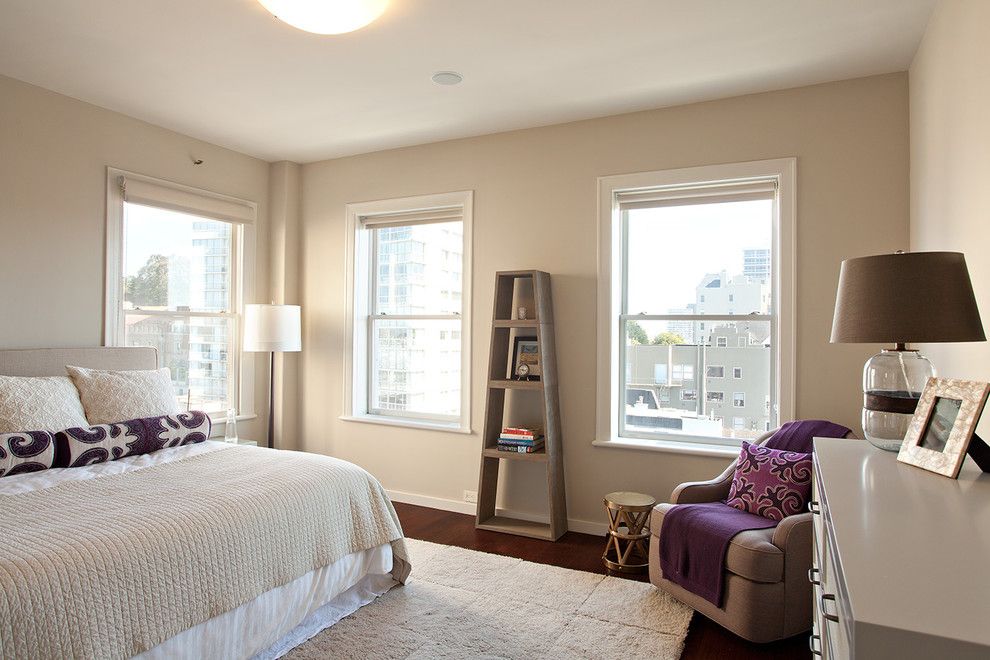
(694, 538)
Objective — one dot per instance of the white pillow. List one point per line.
(49, 403)
(117, 396)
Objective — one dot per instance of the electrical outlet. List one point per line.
(471, 496)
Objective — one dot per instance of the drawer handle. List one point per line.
(813, 507)
(830, 617)
(811, 644)
(813, 574)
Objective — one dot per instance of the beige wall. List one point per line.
(535, 207)
(950, 161)
(54, 152)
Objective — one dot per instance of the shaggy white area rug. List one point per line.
(465, 604)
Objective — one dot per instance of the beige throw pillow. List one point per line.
(48, 403)
(117, 396)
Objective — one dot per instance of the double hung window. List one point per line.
(696, 271)
(175, 281)
(410, 285)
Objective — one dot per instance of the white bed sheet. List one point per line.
(276, 621)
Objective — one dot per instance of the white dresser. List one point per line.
(902, 557)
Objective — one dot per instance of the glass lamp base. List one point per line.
(892, 384)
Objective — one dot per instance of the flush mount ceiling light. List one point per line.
(447, 77)
(326, 16)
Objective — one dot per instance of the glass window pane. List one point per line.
(174, 261)
(419, 268)
(416, 367)
(688, 405)
(196, 350)
(700, 259)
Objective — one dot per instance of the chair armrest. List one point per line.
(695, 492)
(796, 528)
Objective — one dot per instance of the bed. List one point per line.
(205, 550)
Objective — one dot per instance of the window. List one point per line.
(738, 423)
(682, 372)
(737, 372)
(175, 281)
(738, 399)
(660, 374)
(719, 239)
(408, 354)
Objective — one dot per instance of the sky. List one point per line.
(149, 231)
(672, 248)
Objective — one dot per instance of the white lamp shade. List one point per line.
(272, 328)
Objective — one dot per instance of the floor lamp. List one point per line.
(272, 329)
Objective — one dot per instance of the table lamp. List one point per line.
(900, 298)
(272, 329)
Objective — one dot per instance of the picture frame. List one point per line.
(526, 350)
(944, 425)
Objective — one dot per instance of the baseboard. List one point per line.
(582, 526)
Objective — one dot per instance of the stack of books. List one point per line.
(521, 440)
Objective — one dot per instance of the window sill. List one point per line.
(407, 423)
(670, 447)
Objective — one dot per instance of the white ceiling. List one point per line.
(225, 71)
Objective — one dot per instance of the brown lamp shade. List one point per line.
(907, 297)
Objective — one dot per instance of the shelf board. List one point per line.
(492, 452)
(536, 530)
(503, 384)
(528, 323)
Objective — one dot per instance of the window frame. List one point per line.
(610, 291)
(738, 396)
(242, 275)
(360, 258)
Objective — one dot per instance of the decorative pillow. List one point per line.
(39, 403)
(110, 396)
(770, 483)
(29, 451)
(108, 442)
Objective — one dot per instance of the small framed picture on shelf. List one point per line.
(943, 425)
(526, 363)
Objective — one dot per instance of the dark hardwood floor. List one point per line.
(583, 552)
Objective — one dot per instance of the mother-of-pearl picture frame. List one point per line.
(943, 425)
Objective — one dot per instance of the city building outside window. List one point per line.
(176, 266)
(699, 262)
(408, 354)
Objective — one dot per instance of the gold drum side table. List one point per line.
(627, 549)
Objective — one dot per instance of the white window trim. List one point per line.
(715, 366)
(243, 275)
(737, 396)
(609, 294)
(355, 335)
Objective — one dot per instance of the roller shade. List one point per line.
(741, 191)
(187, 200)
(406, 218)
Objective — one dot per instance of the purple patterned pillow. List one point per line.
(28, 451)
(108, 442)
(770, 483)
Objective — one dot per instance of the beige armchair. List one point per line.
(767, 592)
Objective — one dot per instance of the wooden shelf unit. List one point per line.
(504, 327)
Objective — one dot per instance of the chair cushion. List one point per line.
(770, 482)
(751, 554)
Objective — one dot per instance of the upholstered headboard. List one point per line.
(52, 361)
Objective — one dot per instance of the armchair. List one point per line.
(767, 592)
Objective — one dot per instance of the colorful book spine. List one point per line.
(521, 449)
(509, 440)
(529, 433)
